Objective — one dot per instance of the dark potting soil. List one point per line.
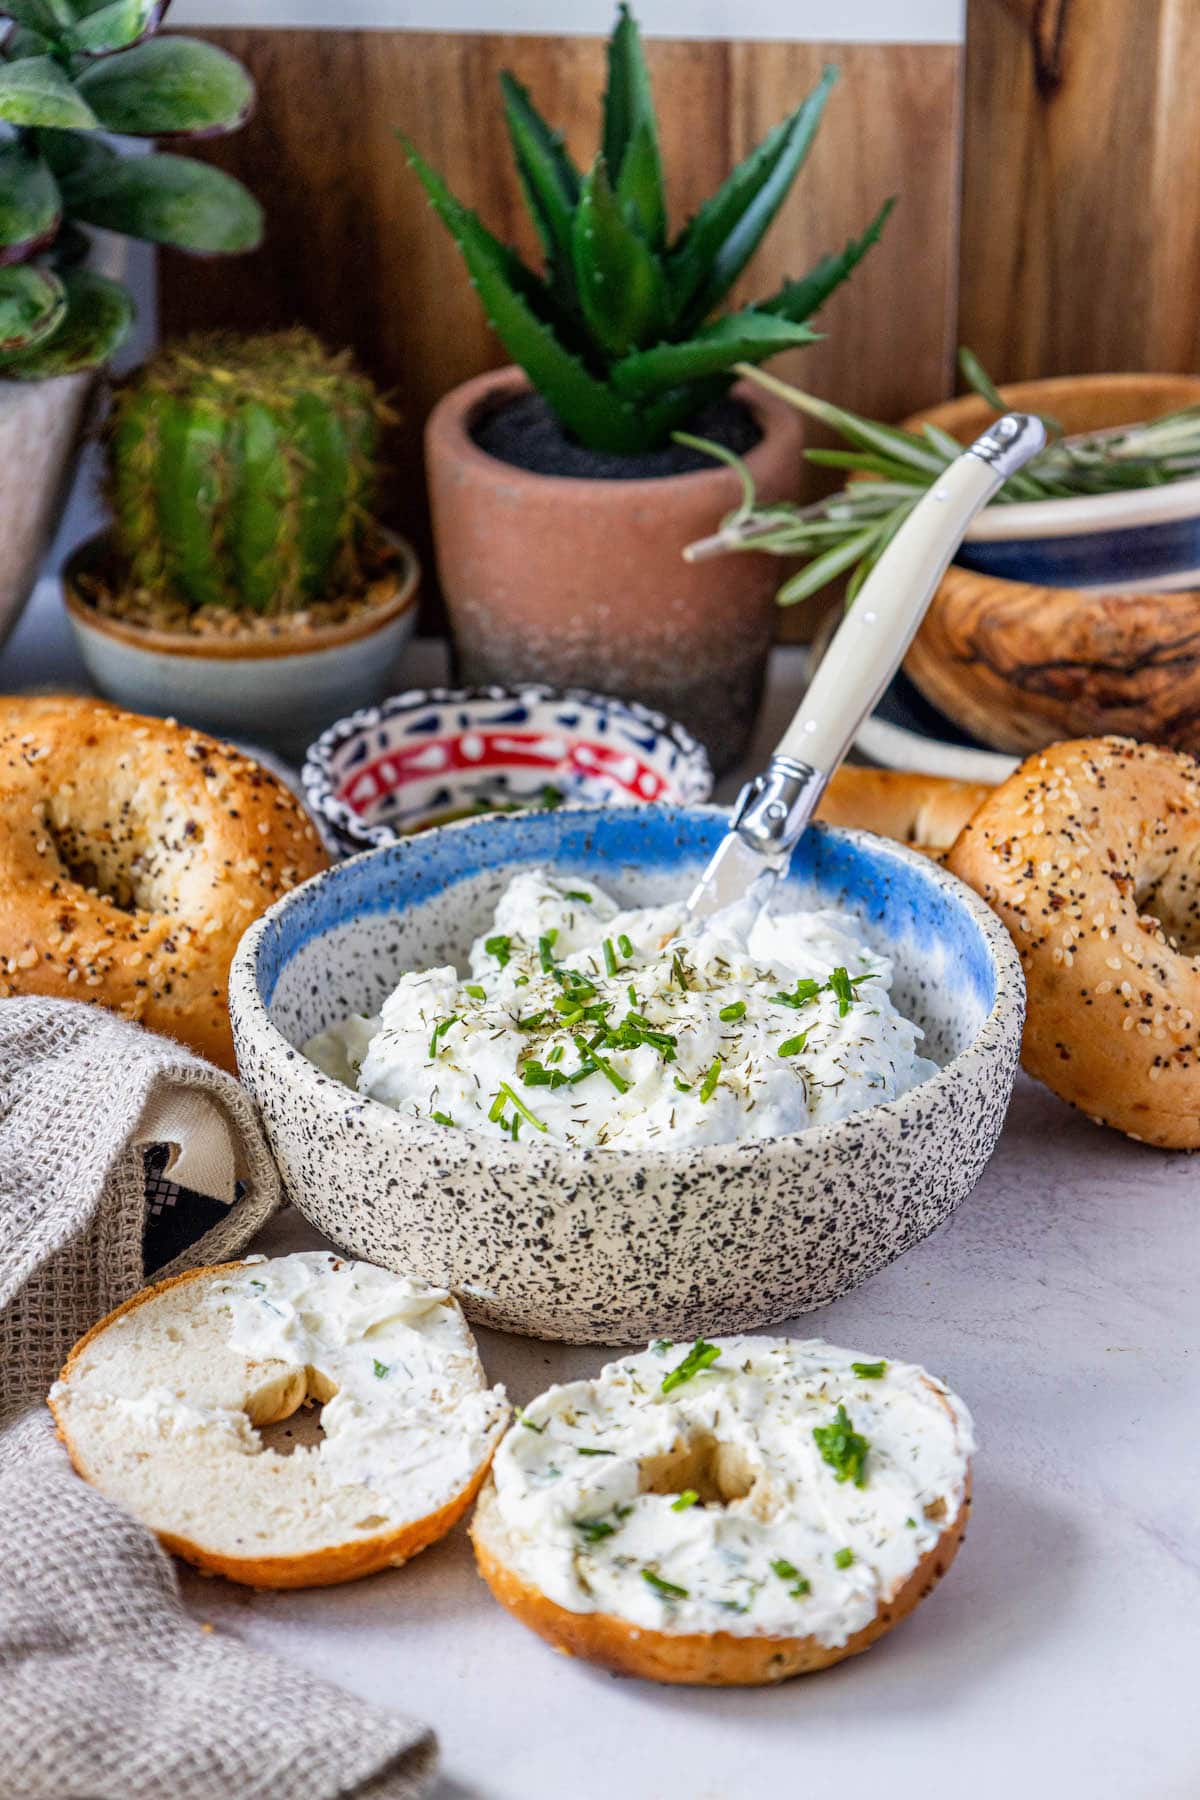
(526, 433)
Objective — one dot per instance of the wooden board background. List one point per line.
(353, 249)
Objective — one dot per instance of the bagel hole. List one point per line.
(301, 1430)
(1171, 900)
(716, 1472)
(125, 864)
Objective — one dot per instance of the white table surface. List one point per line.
(1061, 1656)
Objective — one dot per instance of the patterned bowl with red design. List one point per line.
(432, 755)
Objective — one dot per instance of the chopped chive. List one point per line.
(708, 1086)
(632, 992)
(911, 1523)
(804, 991)
(594, 1529)
(590, 1450)
(870, 1371)
(381, 1369)
(843, 1558)
(500, 948)
(441, 1118)
(688, 1498)
(735, 1010)
(843, 1448)
(592, 1056)
(530, 1022)
(700, 1356)
(556, 1054)
(624, 944)
(667, 1589)
(476, 992)
(841, 986)
(677, 970)
(579, 894)
(685, 1087)
(521, 981)
(528, 1423)
(496, 1109)
(546, 944)
(610, 957)
(794, 1045)
(514, 1126)
(511, 1094)
(438, 1031)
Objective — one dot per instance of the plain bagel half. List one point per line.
(925, 811)
(165, 1403)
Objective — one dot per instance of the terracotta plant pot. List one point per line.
(582, 583)
(1020, 665)
(280, 692)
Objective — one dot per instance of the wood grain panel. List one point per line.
(353, 250)
(1081, 233)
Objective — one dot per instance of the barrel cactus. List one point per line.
(242, 471)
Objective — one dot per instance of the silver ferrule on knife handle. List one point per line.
(773, 809)
(1009, 443)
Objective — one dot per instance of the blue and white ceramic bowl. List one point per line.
(600, 1246)
(435, 754)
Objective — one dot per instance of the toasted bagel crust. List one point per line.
(698, 1659)
(324, 1568)
(134, 852)
(926, 811)
(1090, 854)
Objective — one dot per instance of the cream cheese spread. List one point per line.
(752, 1485)
(586, 1025)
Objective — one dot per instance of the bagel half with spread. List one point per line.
(926, 811)
(163, 1406)
(1090, 853)
(730, 1514)
(134, 852)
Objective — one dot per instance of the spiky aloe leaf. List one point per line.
(168, 200)
(640, 187)
(98, 319)
(38, 92)
(29, 202)
(168, 86)
(628, 99)
(800, 299)
(713, 249)
(33, 302)
(549, 181)
(747, 336)
(515, 306)
(113, 25)
(620, 282)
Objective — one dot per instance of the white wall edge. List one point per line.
(789, 21)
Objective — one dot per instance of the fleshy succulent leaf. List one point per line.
(549, 182)
(801, 298)
(70, 154)
(713, 249)
(30, 209)
(37, 91)
(640, 186)
(746, 336)
(168, 86)
(47, 17)
(509, 294)
(168, 200)
(620, 282)
(628, 98)
(97, 320)
(33, 302)
(113, 25)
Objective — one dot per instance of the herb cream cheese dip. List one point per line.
(753, 1487)
(586, 1025)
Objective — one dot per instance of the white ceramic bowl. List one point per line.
(600, 1246)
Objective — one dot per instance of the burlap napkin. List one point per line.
(108, 1689)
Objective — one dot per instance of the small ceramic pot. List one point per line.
(612, 1246)
(1017, 664)
(582, 583)
(434, 754)
(276, 691)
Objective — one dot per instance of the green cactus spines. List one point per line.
(241, 471)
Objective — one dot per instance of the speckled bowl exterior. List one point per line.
(605, 1246)
(405, 764)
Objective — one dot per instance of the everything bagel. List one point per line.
(133, 854)
(1090, 854)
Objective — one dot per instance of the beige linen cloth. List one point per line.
(108, 1689)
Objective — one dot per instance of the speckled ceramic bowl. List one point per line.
(614, 1246)
(434, 753)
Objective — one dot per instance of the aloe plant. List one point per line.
(617, 333)
(241, 471)
(72, 71)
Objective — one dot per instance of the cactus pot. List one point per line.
(277, 691)
(581, 582)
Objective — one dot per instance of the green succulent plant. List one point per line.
(72, 71)
(241, 471)
(618, 333)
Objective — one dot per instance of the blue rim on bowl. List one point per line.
(424, 756)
